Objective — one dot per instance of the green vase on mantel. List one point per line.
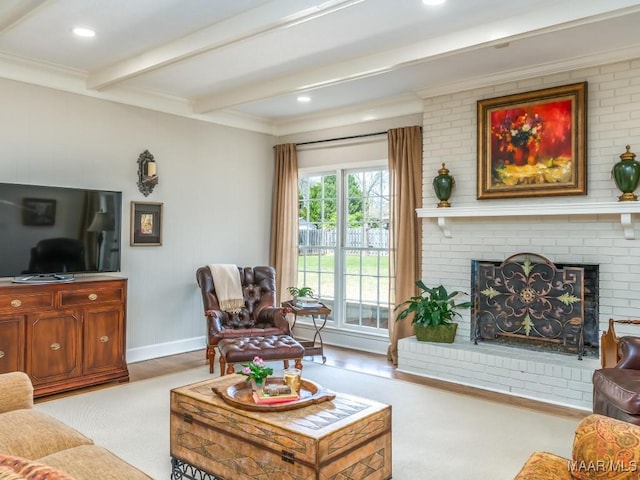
(626, 174)
(443, 185)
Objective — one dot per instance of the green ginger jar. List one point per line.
(626, 174)
(443, 185)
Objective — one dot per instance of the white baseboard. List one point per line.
(344, 338)
(354, 340)
(163, 349)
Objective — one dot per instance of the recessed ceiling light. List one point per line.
(83, 32)
(304, 99)
(433, 3)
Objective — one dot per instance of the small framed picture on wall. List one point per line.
(38, 212)
(146, 224)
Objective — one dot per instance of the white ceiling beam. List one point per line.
(258, 21)
(16, 16)
(532, 24)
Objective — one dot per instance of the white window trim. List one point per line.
(340, 170)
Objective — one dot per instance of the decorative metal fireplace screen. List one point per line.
(526, 300)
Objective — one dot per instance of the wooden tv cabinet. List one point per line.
(64, 335)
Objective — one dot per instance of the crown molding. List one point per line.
(379, 110)
(70, 80)
(540, 70)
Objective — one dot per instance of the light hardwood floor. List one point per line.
(357, 361)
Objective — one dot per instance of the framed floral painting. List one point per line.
(533, 144)
(146, 224)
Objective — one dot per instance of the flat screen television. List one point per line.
(50, 233)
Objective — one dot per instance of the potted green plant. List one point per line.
(256, 371)
(302, 294)
(434, 310)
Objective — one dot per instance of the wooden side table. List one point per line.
(315, 346)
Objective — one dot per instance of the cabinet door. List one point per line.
(11, 343)
(103, 338)
(53, 346)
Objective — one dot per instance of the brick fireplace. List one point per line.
(592, 229)
(596, 242)
(540, 369)
(594, 239)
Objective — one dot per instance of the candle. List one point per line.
(292, 377)
(151, 169)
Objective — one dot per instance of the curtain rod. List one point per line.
(342, 138)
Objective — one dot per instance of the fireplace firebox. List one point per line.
(527, 301)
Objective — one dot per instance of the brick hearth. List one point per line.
(549, 377)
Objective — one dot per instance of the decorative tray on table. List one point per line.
(241, 395)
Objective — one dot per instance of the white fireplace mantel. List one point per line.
(624, 209)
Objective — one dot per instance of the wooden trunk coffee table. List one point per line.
(346, 438)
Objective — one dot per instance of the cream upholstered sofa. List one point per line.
(36, 446)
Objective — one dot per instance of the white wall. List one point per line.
(613, 122)
(215, 183)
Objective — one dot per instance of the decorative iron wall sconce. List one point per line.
(147, 173)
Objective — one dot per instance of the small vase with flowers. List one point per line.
(256, 372)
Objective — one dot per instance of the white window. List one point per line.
(344, 245)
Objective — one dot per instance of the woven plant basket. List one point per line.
(444, 333)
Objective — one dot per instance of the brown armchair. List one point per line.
(616, 390)
(57, 255)
(259, 317)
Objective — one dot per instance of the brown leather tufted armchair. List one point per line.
(260, 317)
(616, 391)
(57, 255)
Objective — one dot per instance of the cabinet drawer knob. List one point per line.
(1, 354)
(55, 346)
(93, 296)
(16, 303)
(104, 339)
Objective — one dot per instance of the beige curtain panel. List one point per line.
(405, 179)
(284, 218)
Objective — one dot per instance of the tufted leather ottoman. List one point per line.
(270, 347)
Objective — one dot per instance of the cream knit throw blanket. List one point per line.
(226, 280)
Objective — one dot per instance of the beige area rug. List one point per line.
(436, 434)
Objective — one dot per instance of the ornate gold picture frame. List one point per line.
(533, 144)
